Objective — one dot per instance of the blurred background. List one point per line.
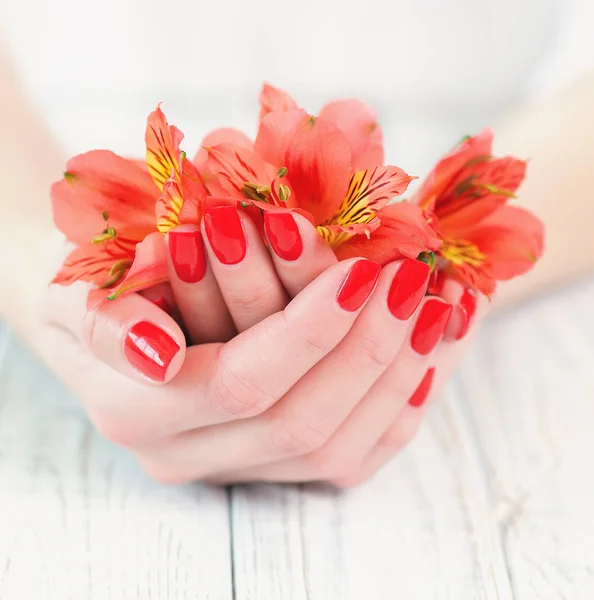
(435, 69)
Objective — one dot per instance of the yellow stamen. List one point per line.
(461, 252)
(282, 171)
(284, 192)
(493, 189)
(255, 191)
(108, 234)
(116, 272)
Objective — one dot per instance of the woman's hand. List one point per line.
(314, 388)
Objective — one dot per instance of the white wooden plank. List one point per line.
(79, 520)
(492, 501)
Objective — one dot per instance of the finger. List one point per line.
(464, 301)
(161, 295)
(298, 251)
(195, 288)
(136, 338)
(242, 267)
(310, 412)
(216, 382)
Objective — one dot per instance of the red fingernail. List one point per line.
(162, 304)
(467, 308)
(225, 234)
(422, 392)
(436, 282)
(430, 326)
(358, 285)
(187, 255)
(408, 288)
(283, 235)
(150, 350)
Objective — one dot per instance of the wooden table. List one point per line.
(494, 500)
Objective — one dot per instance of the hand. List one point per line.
(297, 416)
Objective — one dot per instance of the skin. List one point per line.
(232, 408)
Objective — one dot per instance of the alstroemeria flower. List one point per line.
(484, 239)
(116, 210)
(329, 168)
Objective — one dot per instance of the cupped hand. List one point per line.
(327, 385)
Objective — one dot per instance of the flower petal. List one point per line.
(369, 191)
(318, 160)
(98, 263)
(358, 121)
(275, 133)
(163, 154)
(273, 99)
(513, 240)
(234, 166)
(149, 267)
(100, 183)
(450, 166)
(405, 231)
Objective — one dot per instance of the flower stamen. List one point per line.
(462, 252)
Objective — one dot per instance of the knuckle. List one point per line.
(237, 395)
(252, 300)
(374, 354)
(294, 437)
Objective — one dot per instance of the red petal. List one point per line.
(163, 154)
(450, 165)
(149, 267)
(275, 132)
(405, 230)
(318, 159)
(99, 181)
(273, 99)
(93, 262)
(358, 121)
(513, 240)
(234, 166)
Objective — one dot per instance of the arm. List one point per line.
(556, 134)
(30, 161)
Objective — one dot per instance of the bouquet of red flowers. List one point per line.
(328, 168)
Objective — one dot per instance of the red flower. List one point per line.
(328, 168)
(116, 210)
(484, 239)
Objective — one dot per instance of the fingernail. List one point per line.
(467, 308)
(283, 235)
(187, 255)
(422, 392)
(150, 350)
(225, 234)
(436, 282)
(408, 288)
(358, 285)
(162, 304)
(430, 326)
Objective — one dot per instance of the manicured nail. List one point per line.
(436, 283)
(187, 255)
(283, 235)
(467, 308)
(225, 234)
(150, 350)
(358, 285)
(422, 392)
(430, 326)
(408, 288)
(162, 304)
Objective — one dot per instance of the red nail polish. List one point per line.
(436, 282)
(408, 288)
(162, 304)
(187, 255)
(422, 392)
(358, 285)
(430, 326)
(225, 234)
(283, 235)
(467, 308)
(150, 350)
